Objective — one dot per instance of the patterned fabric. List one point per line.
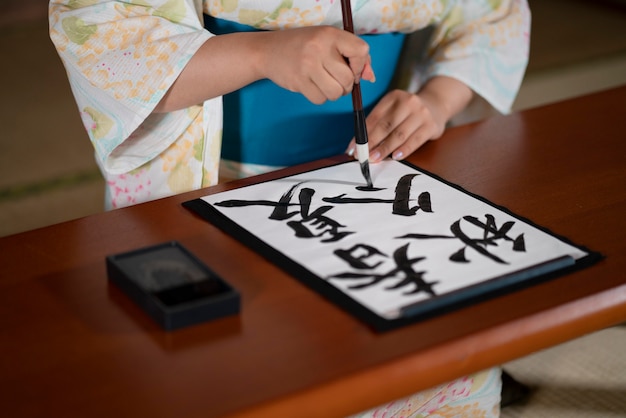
(122, 56)
(474, 396)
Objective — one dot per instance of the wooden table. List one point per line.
(72, 345)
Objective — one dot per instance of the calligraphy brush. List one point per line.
(360, 130)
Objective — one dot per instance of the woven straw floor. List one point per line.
(583, 378)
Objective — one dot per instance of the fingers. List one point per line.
(339, 78)
(343, 61)
(331, 82)
(323, 63)
(343, 67)
(321, 81)
(399, 124)
(356, 51)
(406, 137)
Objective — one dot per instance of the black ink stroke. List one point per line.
(313, 224)
(400, 203)
(317, 225)
(369, 189)
(404, 268)
(491, 234)
(355, 260)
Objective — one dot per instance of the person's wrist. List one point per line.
(257, 54)
(438, 109)
(447, 97)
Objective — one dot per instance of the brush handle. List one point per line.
(346, 14)
(360, 129)
(357, 100)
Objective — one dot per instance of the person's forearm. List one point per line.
(221, 65)
(446, 96)
(320, 62)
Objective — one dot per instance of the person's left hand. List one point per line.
(400, 123)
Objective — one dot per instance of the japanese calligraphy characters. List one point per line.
(413, 238)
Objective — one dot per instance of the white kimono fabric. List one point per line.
(122, 57)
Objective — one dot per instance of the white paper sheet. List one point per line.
(439, 239)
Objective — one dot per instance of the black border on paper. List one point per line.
(422, 310)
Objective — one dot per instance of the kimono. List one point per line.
(121, 58)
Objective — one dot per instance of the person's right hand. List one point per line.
(321, 62)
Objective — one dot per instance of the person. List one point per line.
(170, 90)
(149, 80)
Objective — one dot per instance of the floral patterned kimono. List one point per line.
(122, 57)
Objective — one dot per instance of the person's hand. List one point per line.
(401, 122)
(322, 63)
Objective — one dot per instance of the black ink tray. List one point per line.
(172, 285)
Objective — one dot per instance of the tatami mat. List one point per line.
(584, 378)
(47, 169)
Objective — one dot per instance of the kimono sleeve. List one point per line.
(121, 57)
(485, 44)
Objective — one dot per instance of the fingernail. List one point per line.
(350, 151)
(397, 155)
(369, 75)
(375, 156)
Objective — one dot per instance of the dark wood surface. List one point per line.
(73, 345)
